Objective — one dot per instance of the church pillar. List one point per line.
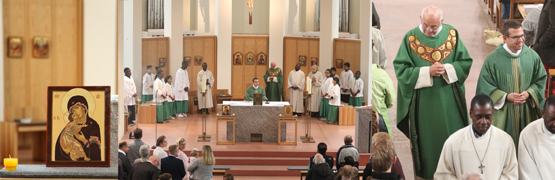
(2, 65)
(173, 28)
(132, 40)
(223, 31)
(277, 31)
(120, 59)
(329, 29)
(365, 36)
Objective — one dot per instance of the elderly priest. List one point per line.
(255, 88)
(536, 147)
(478, 148)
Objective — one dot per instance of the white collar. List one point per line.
(119, 150)
(511, 52)
(438, 29)
(255, 87)
(476, 134)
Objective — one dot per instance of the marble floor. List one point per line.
(469, 17)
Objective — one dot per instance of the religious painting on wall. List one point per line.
(41, 47)
(198, 60)
(339, 63)
(162, 62)
(15, 46)
(288, 110)
(313, 61)
(262, 59)
(188, 59)
(302, 60)
(78, 126)
(237, 58)
(226, 110)
(249, 58)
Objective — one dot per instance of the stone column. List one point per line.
(365, 36)
(329, 29)
(132, 40)
(223, 31)
(277, 31)
(173, 28)
(362, 129)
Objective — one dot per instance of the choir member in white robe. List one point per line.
(148, 84)
(478, 148)
(378, 48)
(159, 96)
(130, 94)
(182, 89)
(170, 98)
(205, 102)
(296, 83)
(536, 147)
(345, 82)
(317, 80)
(324, 91)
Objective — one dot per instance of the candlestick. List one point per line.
(10, 163)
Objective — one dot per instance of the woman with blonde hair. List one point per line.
(202, 168)
(181, 144)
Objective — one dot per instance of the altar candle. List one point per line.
(309, 85)
(10, 163)
(203, 90)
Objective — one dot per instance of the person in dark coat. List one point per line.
(322, 148)
(173, 165)
(145, 170)
(545, 38)
(320, 170)
(122, 155)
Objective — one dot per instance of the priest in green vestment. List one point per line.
(514, 77)
(255, 88)
(274, 83)
(431, 66)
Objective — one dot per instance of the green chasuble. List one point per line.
(251, 90)
(274, 90)
(429, 115)
(504, 73)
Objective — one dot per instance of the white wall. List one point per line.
(121, 119)
(99, 43)
(206, 25)
(309, 14)
(186, 14)
(2, 63)
(144, 15)
(260, 18)
(354, 16)
(223, 31)
(292, 17)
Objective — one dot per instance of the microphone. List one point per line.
(267, 102)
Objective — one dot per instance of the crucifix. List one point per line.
(250, 3)
(481, 168)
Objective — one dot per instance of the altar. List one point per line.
(256, 120)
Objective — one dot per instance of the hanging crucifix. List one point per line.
(250, 4)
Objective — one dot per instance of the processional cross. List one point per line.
(250, 3)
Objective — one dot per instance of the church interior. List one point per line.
(90, 42)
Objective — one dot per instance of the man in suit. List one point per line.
(173, 165)
(122, 155)
(145, 170)
(133, 152)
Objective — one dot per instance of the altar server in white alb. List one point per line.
(478, 148)
(170, 98)
(159, 96)
(356, 91)
(148, 84)
(182, 89)
(296, 83)
(317, 79)
(205, 102)
(345, 82)
(130, 94)
(536, 147)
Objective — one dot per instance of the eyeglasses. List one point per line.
(517, 37)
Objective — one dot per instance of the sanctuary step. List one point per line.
(267, 163)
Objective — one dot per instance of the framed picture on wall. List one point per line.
(313, 61)
(249, 58)
(188, 59)
(78, 127)
(198, 60)
(15, 46)
(237, 58)
(41, 47)
(162, 62)
(262, 59)
(302, 60)
(339, 63)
